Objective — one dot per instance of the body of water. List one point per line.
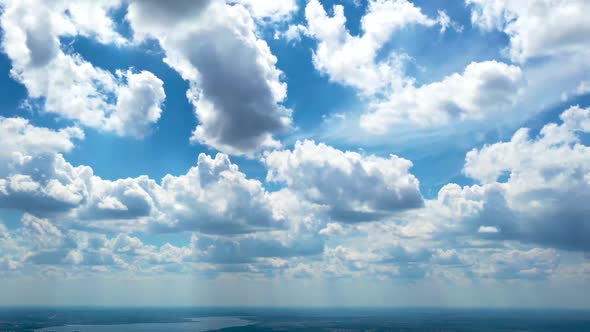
(198, 325)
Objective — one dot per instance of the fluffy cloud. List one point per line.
(241, 228)
(354, 187)
(527, 206)
(43, 184)
(352, 60)
(537, 28)
(93, 19)
(138, 105)
(85, 251)
(41, 242)
(238, 103)
(298, 237)
(41, 232)
(482, 90)
(127, 103)
(215, 197)
(130, 198)
(212, 197)
(18, 136)
(255, 231)
(33, 175)
(274, 10)
(293, 33)
(531, 189)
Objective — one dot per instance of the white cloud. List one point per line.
(557, 148)
(237, 103)
(532, 189)
(122, 199)
(352, 60)
(42, 184)
(253, 231)
(487, 229)
(33, 175)
(139, 104)
(537, 28)
(482, 90)
(63, 203)
(445, 22)
(70, 86)
(332, 229)
(93, 19)
(41, 233)
(215, 197)
(19, 136)
(212, 197)
(355, 187)
(272, 10)
(293, 33)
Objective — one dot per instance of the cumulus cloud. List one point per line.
(531, 189)
(215, 197)
(43, 242)
(536, 28)
(83, 251)
(273, 11)
(482, 90)
(526, 206)
(212, 197)
(33, 175)
(130, 198)
(352, 60)
(251, 252)
(353, 186)
(293, 33)
(32, 192)
(239, 227)
(139, 104)
(237, 103)
(19, 136)
(239, 224)
(127, 103)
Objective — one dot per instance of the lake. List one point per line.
(198, 325)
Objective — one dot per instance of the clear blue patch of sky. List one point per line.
(12, 93)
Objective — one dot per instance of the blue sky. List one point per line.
(349, 148)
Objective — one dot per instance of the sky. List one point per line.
(295, 153)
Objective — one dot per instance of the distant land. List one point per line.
(95, 319)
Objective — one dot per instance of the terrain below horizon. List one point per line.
(65, 319)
